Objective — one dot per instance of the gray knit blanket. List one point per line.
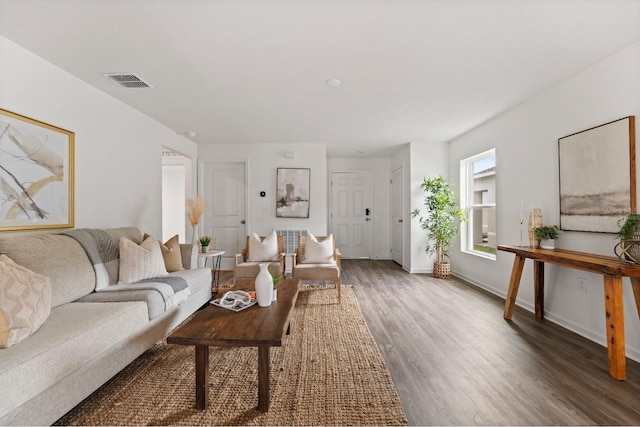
(104, 254)
(102, 251)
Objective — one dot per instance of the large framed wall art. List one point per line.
(292, 192)
(36, 174)
(598, 176)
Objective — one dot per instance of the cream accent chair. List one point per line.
(244, 269)
(310, 271)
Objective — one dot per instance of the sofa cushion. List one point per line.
(317, 271)
(25, 302)
(60, 258)
(71, 337)
(197, 279)
(263, 250)
(139, 262)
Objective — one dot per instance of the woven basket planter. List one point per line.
(442, 270)
(628, 250)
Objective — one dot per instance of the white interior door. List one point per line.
(223, 186)
(396, 216)
(351, 213)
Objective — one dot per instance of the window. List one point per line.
(478, 199)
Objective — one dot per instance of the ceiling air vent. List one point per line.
(127, 80)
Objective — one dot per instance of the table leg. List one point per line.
(538, 287)
(614, 311)
(263, 378)
(216, 273)
(514, 284)
(202, 377)
(635, 285)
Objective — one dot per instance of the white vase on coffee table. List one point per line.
(264, 286)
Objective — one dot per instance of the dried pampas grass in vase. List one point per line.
(195, 209)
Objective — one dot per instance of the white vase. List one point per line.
(264, 286)
(275, 295)
(194, 234)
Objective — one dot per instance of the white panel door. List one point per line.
(351, 213)
(396, 216)
(223, 186)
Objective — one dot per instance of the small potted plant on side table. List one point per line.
(547, 235)
(205, 241)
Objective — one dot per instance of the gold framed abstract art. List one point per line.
(36, 174)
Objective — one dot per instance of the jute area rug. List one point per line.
(328, 372)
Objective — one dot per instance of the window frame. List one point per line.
(468, 205)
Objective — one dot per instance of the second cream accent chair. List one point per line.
(247, 267)
(306, 268)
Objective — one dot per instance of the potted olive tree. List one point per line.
(441, 222)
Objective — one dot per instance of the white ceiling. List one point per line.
(237, 71)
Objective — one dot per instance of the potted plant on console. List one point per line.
(441, 222)
(629, 234)
(547, 235)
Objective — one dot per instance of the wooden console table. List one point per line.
(611, 269)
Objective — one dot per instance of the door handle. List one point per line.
(368, 219)
(243, 222)
(399, 220)
(367, 211)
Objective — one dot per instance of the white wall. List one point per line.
(526, 140)
(263, 160)
(380, 169)
(402, 158)
(427, 160)
(117, 149)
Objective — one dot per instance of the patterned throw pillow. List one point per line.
(25, 301)
(266, 250)
(140, 262)
(318, 252)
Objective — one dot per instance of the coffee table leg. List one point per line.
(263, 378)
(202, 377)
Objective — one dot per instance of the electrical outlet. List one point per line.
(582, 284)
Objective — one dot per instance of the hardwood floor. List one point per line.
(456, 361)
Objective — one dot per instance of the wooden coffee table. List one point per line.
(262, 327)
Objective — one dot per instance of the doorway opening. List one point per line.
(176, 185)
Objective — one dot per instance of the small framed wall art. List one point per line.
(292, 192)
(598, 176)
(36, 174)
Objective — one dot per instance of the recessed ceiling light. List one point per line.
(189, 133)
(333, 82)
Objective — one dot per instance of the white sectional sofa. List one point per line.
(89, 336)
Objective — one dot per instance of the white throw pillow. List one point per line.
(140, 262)
(25, 301)
(266, 250)
(318, 252)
